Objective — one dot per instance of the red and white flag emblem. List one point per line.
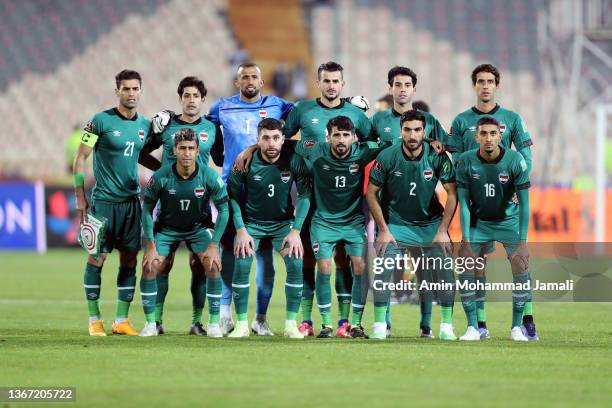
(427, 174)
(285, 176)
(263, 113)
(141, 134)
(203, 137)
(199, 192)
(353, 168)
(503, 178)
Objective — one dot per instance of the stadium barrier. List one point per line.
(22, 216)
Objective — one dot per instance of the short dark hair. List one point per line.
(397, 70)
(192, 81)
(420, 105)
(269, 124)
(248, 64)
(486, 68)
(412, 115)
(185, 135)
(125, 75)
(487, 120)
(342, 123)
(329, 66)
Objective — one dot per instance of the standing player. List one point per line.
(311, 117)
(268, 213)
(183, 190)
(192, 94)
(487, 179)
(402, 87)
(485, 80)
(411, 217)
(116, 137)
(336, 170)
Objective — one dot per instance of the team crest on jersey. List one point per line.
(199, 192)
(309, 144)
(427, 174)
(315, 121)
(263, 113)
(116, 133)
(203, 137)
(285, 176)
(353, 168)
(503, 178)
(315, 248)
(141, 134)
(502, 128)
(377, 166)
(387, 130)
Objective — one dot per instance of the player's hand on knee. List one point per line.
(292, 244)
(519, 260)
(211, 258)
(151, 258)
(443, 240)
(382, 241)
(244, 246)
(160, 120)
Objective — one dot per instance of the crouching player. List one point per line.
(183, 190)
(264, 189)
(487, 179)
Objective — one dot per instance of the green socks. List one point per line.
(148, 294)
(213, 293)
(520, 296)
(307, 293)
(198, 296)
(481, 312)
(380, 310)
(468, 298)
(323, 291)
(91, 283)
(293, 287)
(343, 286)
(126, 285)
(162, 291)
(359, 298)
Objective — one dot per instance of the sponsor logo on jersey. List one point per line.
(203, 137)
(285, 176)
(309, 144)
(315, 121)
(325, 167)
(502, 128)
(141, 134)
(315, 248)
(397, 173)
(353, 168)
(199, 192)
(263, 113)
(503, 178)
(89, 126)
(257, 178)
(427, 174)
(172, 192)
(377, 166)
(116, 133)
(387, 130)
(472, 128)
(476, 176)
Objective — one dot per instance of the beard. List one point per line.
(411, 147)
(341, 150)
(271, 153)
(250, 92)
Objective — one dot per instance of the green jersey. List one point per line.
(184, 203)
(117, 142)
(265, 189)
(204, 129)
(512, 127)
(311, 118)
(338, 183)
(492, 185)
(386, 127)
(408, 195)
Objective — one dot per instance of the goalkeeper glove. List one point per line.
(161, 120)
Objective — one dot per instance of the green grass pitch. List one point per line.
(44, 342)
